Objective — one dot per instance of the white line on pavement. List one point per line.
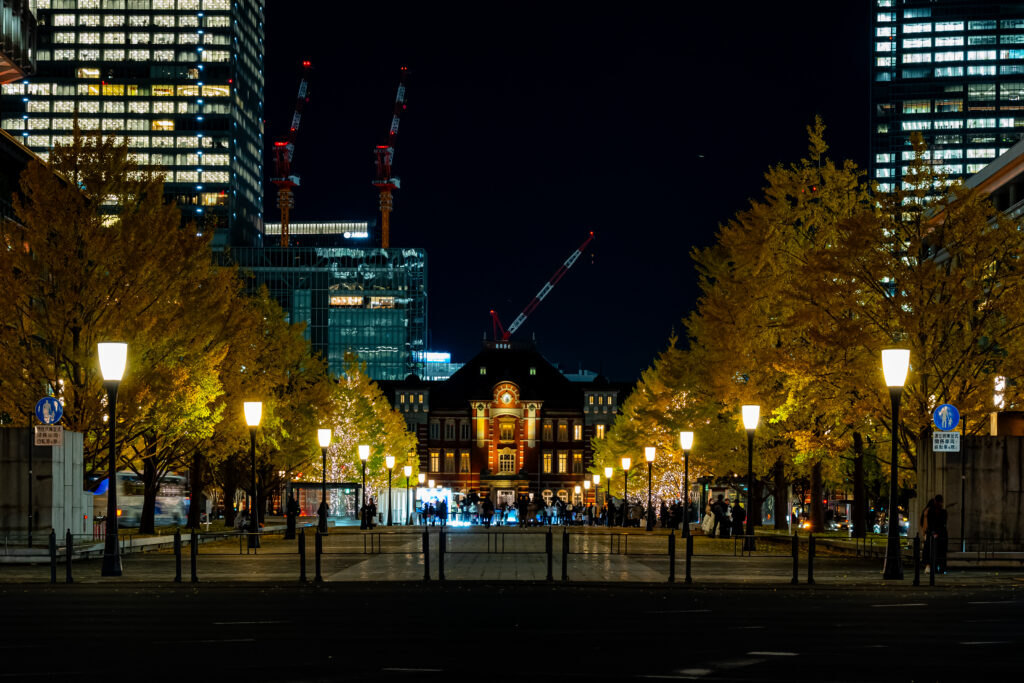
(400, 668)
(241, 623)
(676, 611)
(905, 604)
(984, 642)
(992, 602)
(773, 654)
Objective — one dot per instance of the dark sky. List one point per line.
(529, 126)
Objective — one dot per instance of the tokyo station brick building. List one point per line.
(507, 424)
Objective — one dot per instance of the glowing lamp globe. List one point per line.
(421, 477)
(113, 359)
(649, 453)
(597, 479)
(407, 470)
(686, 440)
(253, 412)
(389, 462)
(608, 472)
(895, 363)
(364, 452)
(751, 416)
(626, 463)
(324, 437)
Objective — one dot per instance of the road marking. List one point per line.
(400, 668)
(905, 604)
(241, 623)
(984, 642)
(695, 672)
(676, 611)
(773, 654)
(992, 602)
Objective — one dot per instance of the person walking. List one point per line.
(718, 509)
(739, 516)
(938, 534)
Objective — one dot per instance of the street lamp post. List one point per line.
(389, 462)
(586, 492)
(751, 416)
(608, 495)
(364, 454)
(324, 437)
(686, 442)
(895, 363)
(253, 412)
(113, 358)
(649, 455)
(408, 494)
(625, 489)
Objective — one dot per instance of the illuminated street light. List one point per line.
(324, 437)
(113, 359)
(649, 455)
(408, 494)
(751, 416)
(389, 462)
(626, 462)
(895, 364)
(608, 471)
(253, 414)
(686, 443)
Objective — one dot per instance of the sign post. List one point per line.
(49, 411)
(946, 418)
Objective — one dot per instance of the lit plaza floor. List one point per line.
(501, 554)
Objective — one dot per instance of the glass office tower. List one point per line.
(952, 70)
(180, 80)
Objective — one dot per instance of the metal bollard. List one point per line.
(565, 554)
(442, 546)
(426, 554)
(302, 555)
(689, 557)
(177, 555)
(672, 556)
(53, 556)
(796, 560)
(810, 559)
(318, 547)
(931, 574)
(917, 560)
(193, 552)
(548, 549)
(69, 553)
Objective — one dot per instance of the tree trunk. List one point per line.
(196, 483)
(150, 486)
(860, 511)
(817, 509)
(781, 497)
(756, 502)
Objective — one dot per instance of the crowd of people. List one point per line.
(723, 518)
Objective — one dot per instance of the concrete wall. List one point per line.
(994, 486)
(59, 500)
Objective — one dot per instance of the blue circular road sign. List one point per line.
(49, 410)
(946, 417)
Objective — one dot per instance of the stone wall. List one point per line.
(59, 500)
(994, 486)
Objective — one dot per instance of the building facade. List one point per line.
(507, 424)
(952, 70)
(372, 302)
(180, 80)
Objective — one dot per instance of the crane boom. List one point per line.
(384, 157)
(544, 291)
(284, 150)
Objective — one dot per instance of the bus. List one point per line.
(172, 500)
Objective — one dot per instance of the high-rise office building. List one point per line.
(952, 70)
(180, 80)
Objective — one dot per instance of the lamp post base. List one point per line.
(254, 539)
(111, 558)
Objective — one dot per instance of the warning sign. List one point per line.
(946, 442)
(49, 435)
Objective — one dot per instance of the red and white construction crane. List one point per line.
(284, 149)
(384, 157)
(503, 334)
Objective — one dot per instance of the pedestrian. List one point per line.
(726, 519)
(488, 512)
(922, 524)
(939, 535)
(663, 514)
(717, 510)
(739, 515)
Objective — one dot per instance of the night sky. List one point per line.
(528, 127)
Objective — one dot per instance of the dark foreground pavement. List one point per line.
(478, 631)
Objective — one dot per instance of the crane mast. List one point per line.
(284, 149)
(384, 156)
(504, 334)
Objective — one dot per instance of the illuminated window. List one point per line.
(916, 42)
(113, 124)
(948, 105)
(113, 107)
(188, 38)
(217, 4)
(382, 302)
(600, 431)
(138, 56)
(917, 106)
(435, 461)
(347, 301)
(138, 38)
(63, 55)
(957, 56)
(163, 141)
(215, 176)
(563, 462)
(137, 107)
(188, 21)
(89, 37)
(216, 55)
(506, 462)
(163, 107)
(577, 462)
(188, 91)
(163, 21)
(63, 19)
(89, 124)
(948, 41)
(917, 58)
(949, 26)
(63, 38)
(89, 107)
(464, 462)
(163, 55)
(506, 430)
(39, 124)
(64, 106)
(89, 20)
(38, 107)
(218, 22)
(590, 399)
(188, 4)
(449, 462)
(547, 463)
(216, 90)
(162, 124)
(113, 38)
(113, 20)
(577, 432)
(483, 370)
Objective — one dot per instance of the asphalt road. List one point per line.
(462, 631)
